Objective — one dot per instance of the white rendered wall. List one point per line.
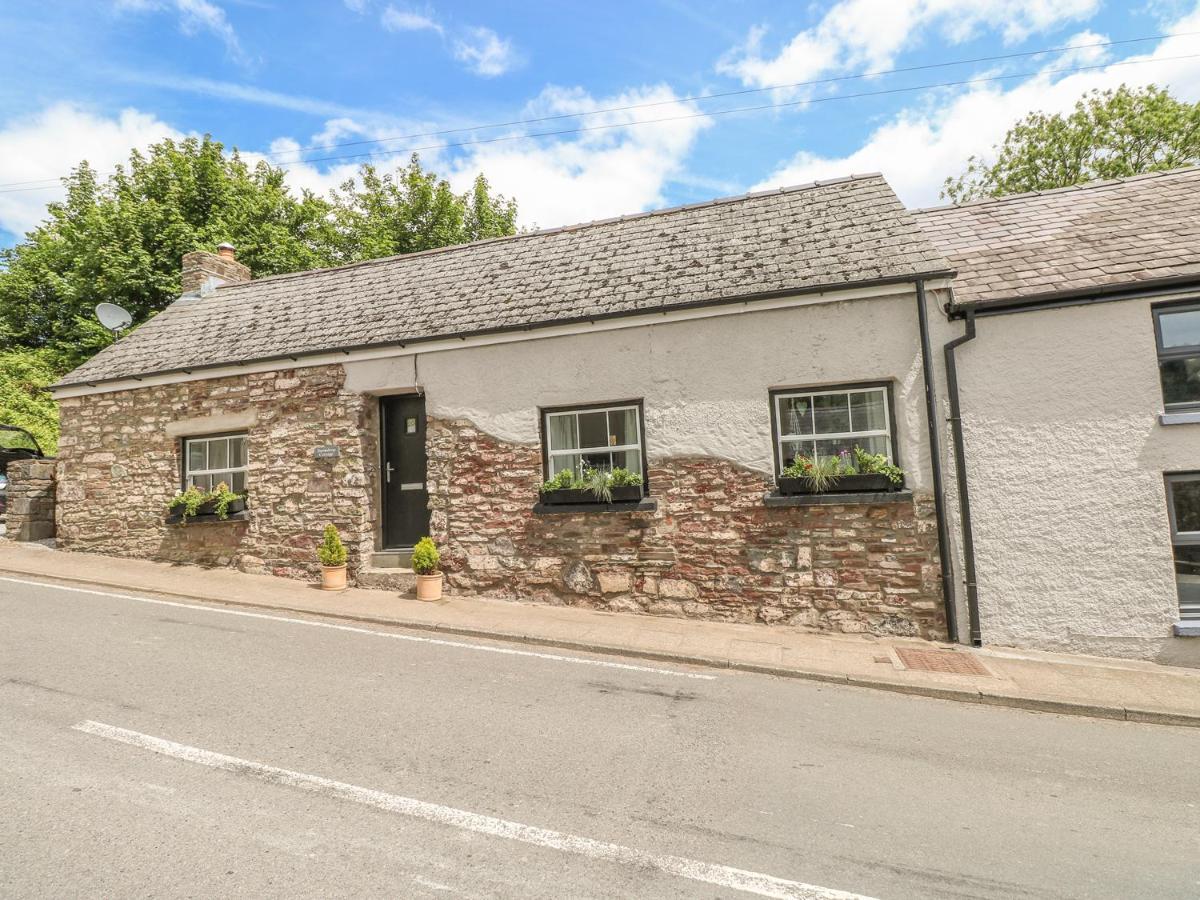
(704, 382)
(1065, 458)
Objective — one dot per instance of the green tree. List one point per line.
(121, 240)
(384, 214)
(1110, 134)
(24, 377)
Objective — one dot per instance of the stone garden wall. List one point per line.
(119, 464)
(712, 549)
(29, 515)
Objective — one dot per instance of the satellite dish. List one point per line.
(113, 317)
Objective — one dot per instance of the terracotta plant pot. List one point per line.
(333, 578)
(429, 587)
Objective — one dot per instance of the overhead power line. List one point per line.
(50, 184)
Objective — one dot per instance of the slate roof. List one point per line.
(828, 234)
(1100, 234)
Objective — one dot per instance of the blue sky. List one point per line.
(93, 79)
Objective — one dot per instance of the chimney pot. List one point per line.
(227, 250)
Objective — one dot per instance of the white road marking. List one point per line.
(682, 867)
(462, 645)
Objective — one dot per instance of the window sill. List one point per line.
(776, 499)
(176, 519)
(646, 504)
(1179, 418)
(1188, 628)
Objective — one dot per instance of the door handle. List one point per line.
(389, 473)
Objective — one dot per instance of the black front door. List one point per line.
(405, 497)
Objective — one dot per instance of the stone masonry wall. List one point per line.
(30, 509)
(118, 467)
(710, 550)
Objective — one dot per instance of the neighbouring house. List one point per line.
(1079, 391)
(1032, 364)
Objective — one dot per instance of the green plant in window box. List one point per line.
(877, 464)
(193, 502)
(848, 471)
(595, 485)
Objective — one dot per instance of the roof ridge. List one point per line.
(1085, 186)
(541, 232)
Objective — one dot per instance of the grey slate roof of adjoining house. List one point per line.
(1096, 235)
(828, 234)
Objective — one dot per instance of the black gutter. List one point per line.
(1075, 297)
(960, 471)
(527, 326)
(935, 463)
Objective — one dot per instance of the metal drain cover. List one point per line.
(948, 662)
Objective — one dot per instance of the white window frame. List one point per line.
(782, 438)
(1189, 612)
(189, 472)
(551, 453)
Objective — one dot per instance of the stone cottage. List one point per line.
(1031, 363)
(701, 347)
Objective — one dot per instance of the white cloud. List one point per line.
(195, 17)
(868, 34)
(597, 174)
(395, 19)
(486, 53)
(48, 145)
(358, 6)
(924, 143)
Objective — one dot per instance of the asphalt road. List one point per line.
(156, 749)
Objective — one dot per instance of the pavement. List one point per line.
(1047, 682)
(165, 747)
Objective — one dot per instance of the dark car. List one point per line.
(15, 443)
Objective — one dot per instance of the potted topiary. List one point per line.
(332, 554)
(425, 560)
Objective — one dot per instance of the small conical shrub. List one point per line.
(332, 551)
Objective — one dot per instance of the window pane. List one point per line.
(1185, 495)
(1181, 329)
(1187, 578)
(628, 459)
(795, 415)
(195, 455)
(622, 426)
(218, 454)
(564, 432)
(868, 411)
(559, 463)
(237, 482)
(237, 451)
(203, 482)
(597, 461)
(1181, 380)
(593, 429)
(875, 445)
(831, 413)
(791, 448)
(833, 447)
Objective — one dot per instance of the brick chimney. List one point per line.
(200, 265)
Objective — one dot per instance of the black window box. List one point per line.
(207, 518)
(645, 504)
(207, 512)
(867, 499)
(624, 494)
(845, 484)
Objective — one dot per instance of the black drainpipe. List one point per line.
(960, 468)
(935, 460)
